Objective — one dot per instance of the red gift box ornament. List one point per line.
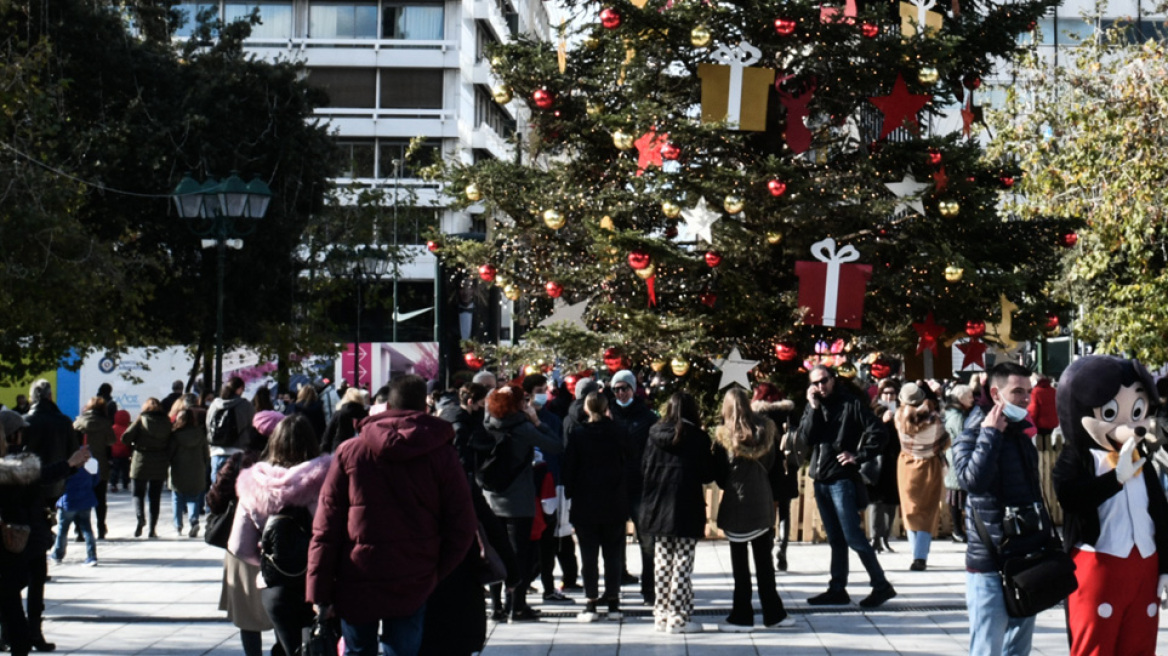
(832, 289)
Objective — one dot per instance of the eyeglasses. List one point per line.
(821, 381)
(622, 388)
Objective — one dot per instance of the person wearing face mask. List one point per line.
(635, 416)
(996, 463)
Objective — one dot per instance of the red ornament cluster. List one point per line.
(975, 328)
(488, 272)
(785, 26)
(786, 352)
(870, 30)
(473, 361)
(610, 18)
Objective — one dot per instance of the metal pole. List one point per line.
(221, 247)
(396, 271)
(357, 344)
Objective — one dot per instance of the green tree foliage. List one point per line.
(643, 74)
(1091, 137)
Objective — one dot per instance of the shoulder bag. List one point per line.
(218, 530)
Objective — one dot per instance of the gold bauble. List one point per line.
(511, 292)
(530, 370)
(473, 193)
(646, 273)
(733, 204)
(928, 75)
(949, 208)
(592, 43)
(953, 273)
(496, 62)
(670, 209)
(657, 365)
(607, 224)
(773, 237)
(501, 93)
(553, 219)
(594, 109)
(700, 36)
(622, 140)
(679, 366)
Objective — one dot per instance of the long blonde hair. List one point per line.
(738, 420)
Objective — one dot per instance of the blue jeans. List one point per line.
(216, 465)
(401, 636)
(920, 541)
(65, 519)
(991, 630)
(191, 504)
(841, 521)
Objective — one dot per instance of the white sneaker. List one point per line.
(689, 627)
(659, 626)
(588, 616)
(91, 563)
(726, 627)
(784, 623)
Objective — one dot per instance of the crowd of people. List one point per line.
(389, 513)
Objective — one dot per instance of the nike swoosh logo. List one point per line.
(398, 316)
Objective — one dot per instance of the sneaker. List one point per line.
(589, 613)
(918, 565)
(573, 587)
(878, 597)
(91, 563)
(629, 579)
(732, 627)
(787, 621)
(660, 626)
(830, 598)
(194, 531)
(54, 559)
(524, 615)
(178, 531)
(556, 597)
(689, 627)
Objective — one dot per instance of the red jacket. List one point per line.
(1042, 408)
(394, 517)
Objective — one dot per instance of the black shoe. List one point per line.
(498, 616)
(39, 644)
(101, 531)
(781, 561)
(153, 534)
(571, 587)
(878, 597)
(888, 547)
(194, 531)
(876, 545)
(79, 538)
(918, 565)
(830, 598)
(556, 597)
(629, 579)
(524, 615)
(614, 611)
(138, 530)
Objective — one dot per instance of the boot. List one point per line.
(876, 545)
(888, 547)
(784, 539)
(140, 512)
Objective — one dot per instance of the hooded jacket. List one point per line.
(673, 500)
(842, 422)
(594, 473)
(98, 431)
(747, 474)
(121, 423)
(518, 500)
(190, 457)
(395, 516)
(51, 437)
(342, 426)
(244, 413)
(149, 436)
(264, 490)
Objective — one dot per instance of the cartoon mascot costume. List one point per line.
(1115, 512)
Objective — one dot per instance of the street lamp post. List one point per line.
(365, 263)
(221, 213)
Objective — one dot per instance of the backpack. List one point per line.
(284, 545)
(497, 465)
(226, 431)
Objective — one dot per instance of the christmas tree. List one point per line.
(761, 176)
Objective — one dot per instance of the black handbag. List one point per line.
(322, 639)
(218, 527)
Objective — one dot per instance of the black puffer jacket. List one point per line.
(50, 435)
(342, 426)
(673, 501)
(747, 474)
(22, 501)
(997, 470)
(637, 419)
(594, 472)
(841, 423)
(469, 433)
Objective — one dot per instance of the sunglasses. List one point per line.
(821, 381)
(621, 388)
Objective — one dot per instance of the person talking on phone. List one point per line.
(997, 465)
(842, 432)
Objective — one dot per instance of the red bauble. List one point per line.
(1069, 239)
(935, 157)
(639, 259)
(670, 152)
(487, 272)
(971, 82)
(553, 288)
(1007, 181)
(785, 26)
(542, 98)
(473, 361)
(777, 187)
(570, 383)
(1052, 322)
(613, 359)
(975, 328)
(713, 258)
(870, 30)
(433, 246)
(708, 299)
(785, 352)
(880, 370)
(610, 18)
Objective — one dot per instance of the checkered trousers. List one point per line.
(673, 563)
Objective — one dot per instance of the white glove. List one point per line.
(1125, 468)
(1162, 590)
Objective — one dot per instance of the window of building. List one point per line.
(346, 87)
(337, 20)
(413, 223)
(275, 18)
(428, 154)
(411, 88)
(412, 21)
(483, 40)
(488, 112)
(357, 159)
(189, 14)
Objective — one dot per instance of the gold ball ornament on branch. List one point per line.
(670, 209)
(928, 75)
(473, 193)
(607, 224)
(511, 291)
(646, 273)
(553, 219)
(502, 93)
(679, 366)
(622, 140)
(700, 36)
(773, 237)
(949, 208)
(657, 365)
(594, 109)
(953, 273)
(733, 204)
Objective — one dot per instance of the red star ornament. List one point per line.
(929, 331)
(649, 149)
(967, 120)
(940, 178)
(900, 107)
(973, 353)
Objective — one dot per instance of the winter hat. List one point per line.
(485, 378)
(265, 421)
(11, 421)
(624, 376)
(585, 386)
(912, 394)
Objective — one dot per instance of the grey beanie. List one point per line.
(584, 386)
(624, 376)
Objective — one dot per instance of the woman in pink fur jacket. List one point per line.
(281, 491)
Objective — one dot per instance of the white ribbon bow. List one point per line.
(737, 58)
(825, 252)
(923, 7)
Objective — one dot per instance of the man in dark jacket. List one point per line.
(997, 464)
(230, 400)
(842, 433)
(637, 419)
(377, 552)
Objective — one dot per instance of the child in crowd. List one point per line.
(74, 507)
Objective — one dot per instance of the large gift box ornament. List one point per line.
(831, 289)
(917, 14)
(734, 91)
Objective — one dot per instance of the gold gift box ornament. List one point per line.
(733, 91)
(917, 14)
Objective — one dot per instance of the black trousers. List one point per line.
(140, 490)
(645, 542)
(291, 615)
(609, 539)
(12, 617)
(742, 612)
(519, 536)
(552, 548)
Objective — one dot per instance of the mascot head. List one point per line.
(1104, 401)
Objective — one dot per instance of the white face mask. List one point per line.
(540, 400)
(625, 404)
(1012, 412)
